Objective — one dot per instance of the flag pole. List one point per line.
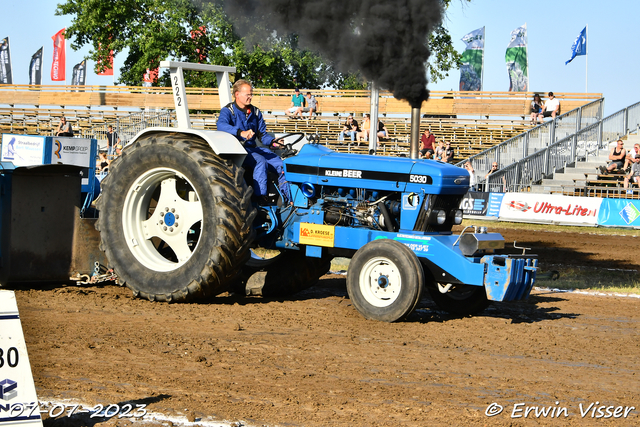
(586, 63)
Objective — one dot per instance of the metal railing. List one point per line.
(129, 126)
(536, 154)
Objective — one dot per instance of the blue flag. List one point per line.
(579, 46)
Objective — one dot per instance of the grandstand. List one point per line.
(471, 121)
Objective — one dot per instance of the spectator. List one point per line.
(427, 139)
(439, 153)
(472, 176)
(448, 153)
(428, 155)
(64, 128)
(633, 156)
(297, 103)
(617, 156)
(634, 176)
(536, 109)
(102, 164)
(363, 135)
(494, 168)
(312, 105)
(382, 131)
(112, 140)
(350, 128)
(245, 122)
(118, 150)
(551, 107)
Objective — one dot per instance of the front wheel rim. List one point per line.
(380, 282)
(162, 219)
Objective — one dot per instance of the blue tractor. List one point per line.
(178, 223)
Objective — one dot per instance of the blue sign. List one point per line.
(619, 213)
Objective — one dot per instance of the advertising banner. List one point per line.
(35, 68)
(495, 200)
(23, 150)
(550, 208)
(517, 63)
(471, 69)
(475, 203)
(71, 151)
(59, 57)
(619, 213)
(5, 62)
(79, 75)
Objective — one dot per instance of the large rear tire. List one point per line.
(175, 219)
(460, 300)
(385, 280)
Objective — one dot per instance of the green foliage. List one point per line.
(149, 31)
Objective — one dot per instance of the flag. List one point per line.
(109, 70)
(516, 58)
(579, 46)
(35, 68)
(150, 77)
(471, 70)
(79, 76)
(59, 60)
(5, 62)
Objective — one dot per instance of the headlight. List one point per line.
(457, 217)
(442, 217)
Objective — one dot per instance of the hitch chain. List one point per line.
(100, 274)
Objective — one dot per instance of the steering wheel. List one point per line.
(288, 147)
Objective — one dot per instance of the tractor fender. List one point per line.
(223, 144)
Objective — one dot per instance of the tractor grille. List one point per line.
(448, 203)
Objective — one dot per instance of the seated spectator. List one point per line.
(64, 128)
(428, 155)
(536, 109)
(350, 128)
(551, 107)
(118, 150)
(494, 169)
(382, 131)
(633, 156)
(439, 153)
(102, 164)
(472, 176)
(297, 103)
(634, 176)
(617, 156)
(427, 140)
(448, 153)
(312, 105)
(363, 135)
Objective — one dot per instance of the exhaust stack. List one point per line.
(414, 143)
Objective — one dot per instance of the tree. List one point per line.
(149, 31)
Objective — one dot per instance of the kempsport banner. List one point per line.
(619, 213)
(516, 58)
(472, 60)
(550, 208)
(475, 203)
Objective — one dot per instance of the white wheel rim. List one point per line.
(380, 282)
(175, 220)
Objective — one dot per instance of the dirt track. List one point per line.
(313, 360)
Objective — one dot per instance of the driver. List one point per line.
(245, 122)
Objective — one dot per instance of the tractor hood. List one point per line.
(319, 165)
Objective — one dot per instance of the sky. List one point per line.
(609, 66)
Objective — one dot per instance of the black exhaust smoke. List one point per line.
(386, 40)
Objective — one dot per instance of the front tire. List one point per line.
(175, 219)
(385, 280)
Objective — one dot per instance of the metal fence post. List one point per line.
(579, 120)
(552, 132)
